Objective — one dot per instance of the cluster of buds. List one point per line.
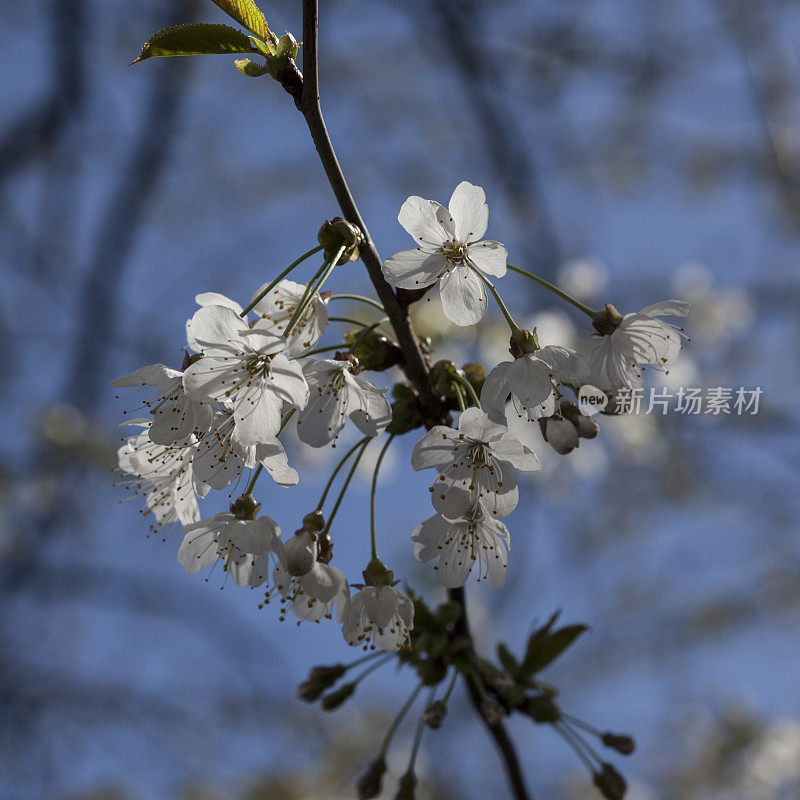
(564, 430)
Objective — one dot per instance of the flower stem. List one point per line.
(470, 390)
(560, 292)
(506, 313)
(461, 403)
(360, 298)
(348, 320)
(372, 497)
(336, 471)
(346, 483)
(252, 484)
(308, 293)
(398, 719)
(326, 349)
(264, 292)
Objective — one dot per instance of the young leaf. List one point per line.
(250, 68)
(196, 39)
(555, 645)
(246, 13)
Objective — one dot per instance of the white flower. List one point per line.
(461, 544)
(476, 465)
(448, 247)
(532, 382)
(164, 475)
(276, 309)
(243, 545)
(313, 594)
(335, 394)
(220, 459)
(175, 416)
(380, 615)
(638, 340)
(211, 299)
(247, 368)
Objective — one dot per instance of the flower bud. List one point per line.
(406, 410)
(314, 521)
(319, 679)
(586, 426)
(301, 553)
(559, 433)
(610, 783)
(335, 699)
(523, 342)
(336, 234)
(406, 787)
(374, 350)
(620, 742)
(540, 710)
(476, 375)
(434, 714)
(369, 784)
(245, 507)
(444, 376)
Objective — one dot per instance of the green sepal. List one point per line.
(195, 39)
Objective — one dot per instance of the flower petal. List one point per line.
(489, 257)
(413, 269)
(469, 212)
(429, 222)
(464, 298)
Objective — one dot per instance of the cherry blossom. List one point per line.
(313, 594)
(243, 545)
(476, 465)
(337, 391)
(459, 545)
(378, 616)
(276, 308)
(164, 475)
(636, 340)
(246, 367)
(175, 416)
(532, 382)
(449, 251)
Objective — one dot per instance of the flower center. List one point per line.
(454, 251)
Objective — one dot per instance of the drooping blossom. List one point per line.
(633, 341)
(476, 465)
(476, 540)
(337, 392)
(243, 546)
(378, 616)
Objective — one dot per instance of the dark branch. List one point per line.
(496, 729)
(304, 89)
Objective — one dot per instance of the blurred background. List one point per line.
(631, 150)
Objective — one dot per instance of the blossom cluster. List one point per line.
(248, 373)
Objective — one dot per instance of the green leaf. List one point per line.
(250, 68)
(507, 659)
(195, 39)
(247, 13)
(556, 644)
(536, 642)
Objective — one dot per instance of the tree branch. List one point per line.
(304, 88)
(496, 729)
